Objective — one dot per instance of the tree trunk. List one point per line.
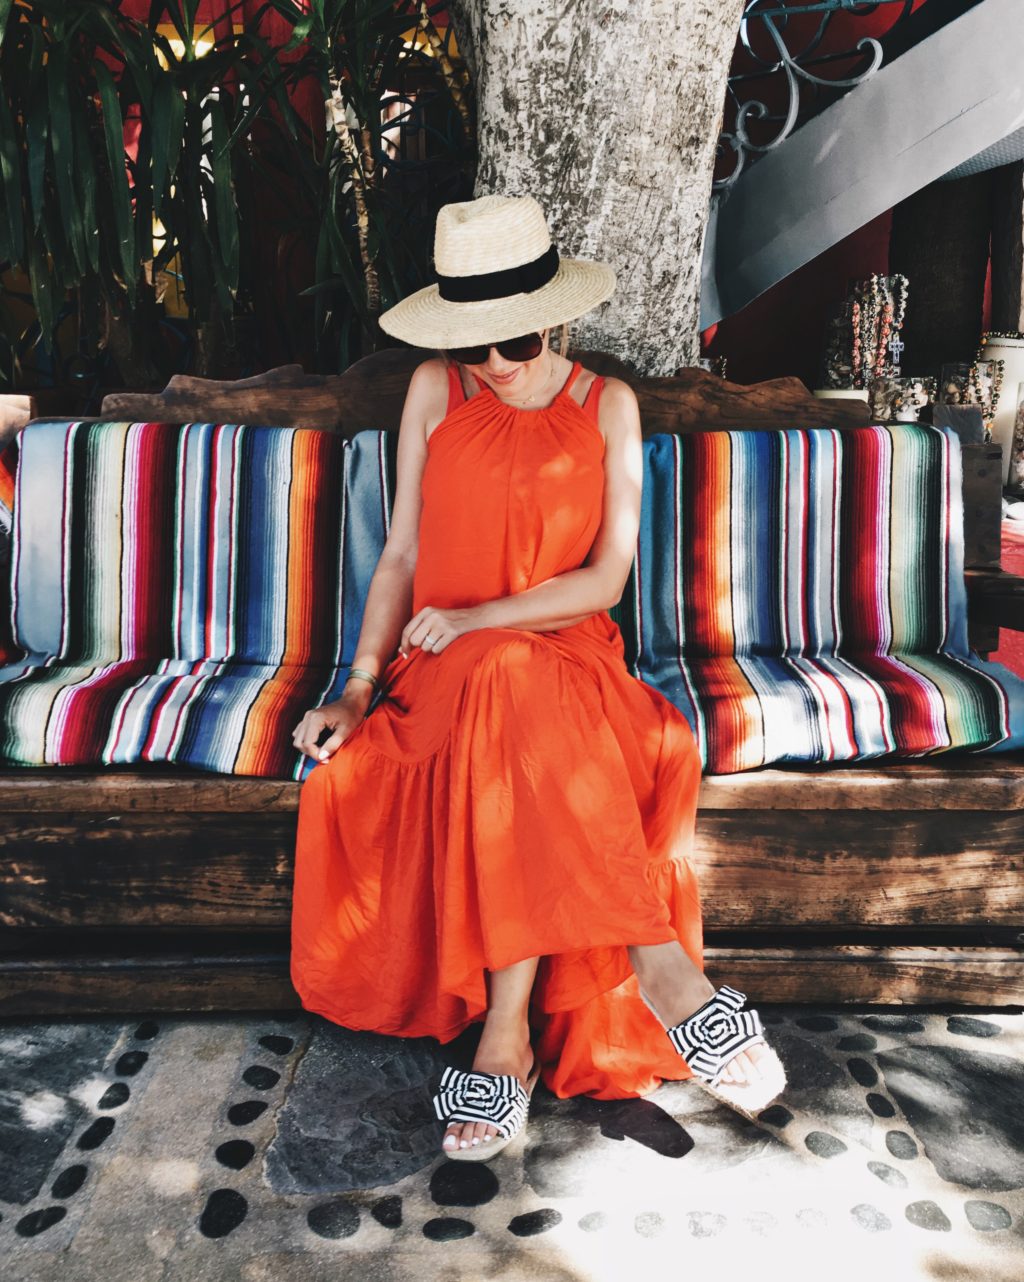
(608, 111)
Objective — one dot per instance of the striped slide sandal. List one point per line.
(709, 1038)
(496, 1099)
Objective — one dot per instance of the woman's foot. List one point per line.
(675, 988)
(500, 1051)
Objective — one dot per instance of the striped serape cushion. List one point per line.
(9, 651)
(185, 592)
(799, 595)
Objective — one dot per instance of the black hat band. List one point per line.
(523, 279)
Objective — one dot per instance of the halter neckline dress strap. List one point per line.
(457, 392)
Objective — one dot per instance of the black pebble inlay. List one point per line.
(261, 1078)
(534, 1222)
(463, 1184)
(335, 1219)
(114, 1096)
(987, 1217)
(862, 1072)
(880, 1106)
(130, 1062)
(447, 1230)
(225, 1209)
(817, 1023)
(69, 1181)
(901, 1145)
(892, 1024)
(95, 1133)
(857, 1042)
(888, 1174)
(147, 1030)
(870, 1218)
(246, 1112)
(388, 1211)
(822, 1144)
(38, 1221)
(593, 1221)
(235, 1153)
(776, 1115)
(277, 1044)
(965, 1026)
(928, 1215)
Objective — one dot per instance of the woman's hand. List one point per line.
(342, 716)
(441, 626)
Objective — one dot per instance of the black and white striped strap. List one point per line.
(711, 1036)
(498, 1100)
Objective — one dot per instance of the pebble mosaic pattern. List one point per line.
(69, 1179)
(903, 1128)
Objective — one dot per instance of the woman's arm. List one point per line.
(389, 597)
(569, 598)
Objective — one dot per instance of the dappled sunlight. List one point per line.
(42, 1109)
(173, 1177)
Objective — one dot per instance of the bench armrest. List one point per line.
(996, 597)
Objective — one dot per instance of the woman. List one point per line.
(505, 836)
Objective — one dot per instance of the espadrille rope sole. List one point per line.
(714, 1035)
(495, 1099)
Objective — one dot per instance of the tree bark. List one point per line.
(608, 112)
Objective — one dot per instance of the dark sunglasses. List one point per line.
(523, 348)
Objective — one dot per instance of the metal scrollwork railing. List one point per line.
(776, 20)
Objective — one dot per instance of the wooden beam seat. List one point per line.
(877, 881)
(888, 883)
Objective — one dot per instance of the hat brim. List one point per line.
(425, 319)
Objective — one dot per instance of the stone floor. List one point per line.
(278, 1146)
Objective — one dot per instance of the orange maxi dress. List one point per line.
(519, 794)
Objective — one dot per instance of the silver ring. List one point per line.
(427, 638)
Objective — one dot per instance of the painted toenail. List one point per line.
(476, 1139)
(463, 1144)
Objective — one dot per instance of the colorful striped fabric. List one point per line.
(9, 651)
(185, 593)
(800, 596)
(182, 593)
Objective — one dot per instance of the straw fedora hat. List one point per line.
(498, 276)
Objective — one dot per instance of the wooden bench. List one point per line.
(162, 889)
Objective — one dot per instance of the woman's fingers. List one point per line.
(330, 746)
(405, 641)
(310, 729)
(308, 733)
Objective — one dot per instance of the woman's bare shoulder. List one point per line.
(427, 394)
(619, 389)
(618, 411)
(430, 375)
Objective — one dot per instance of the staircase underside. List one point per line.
(929, 114)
